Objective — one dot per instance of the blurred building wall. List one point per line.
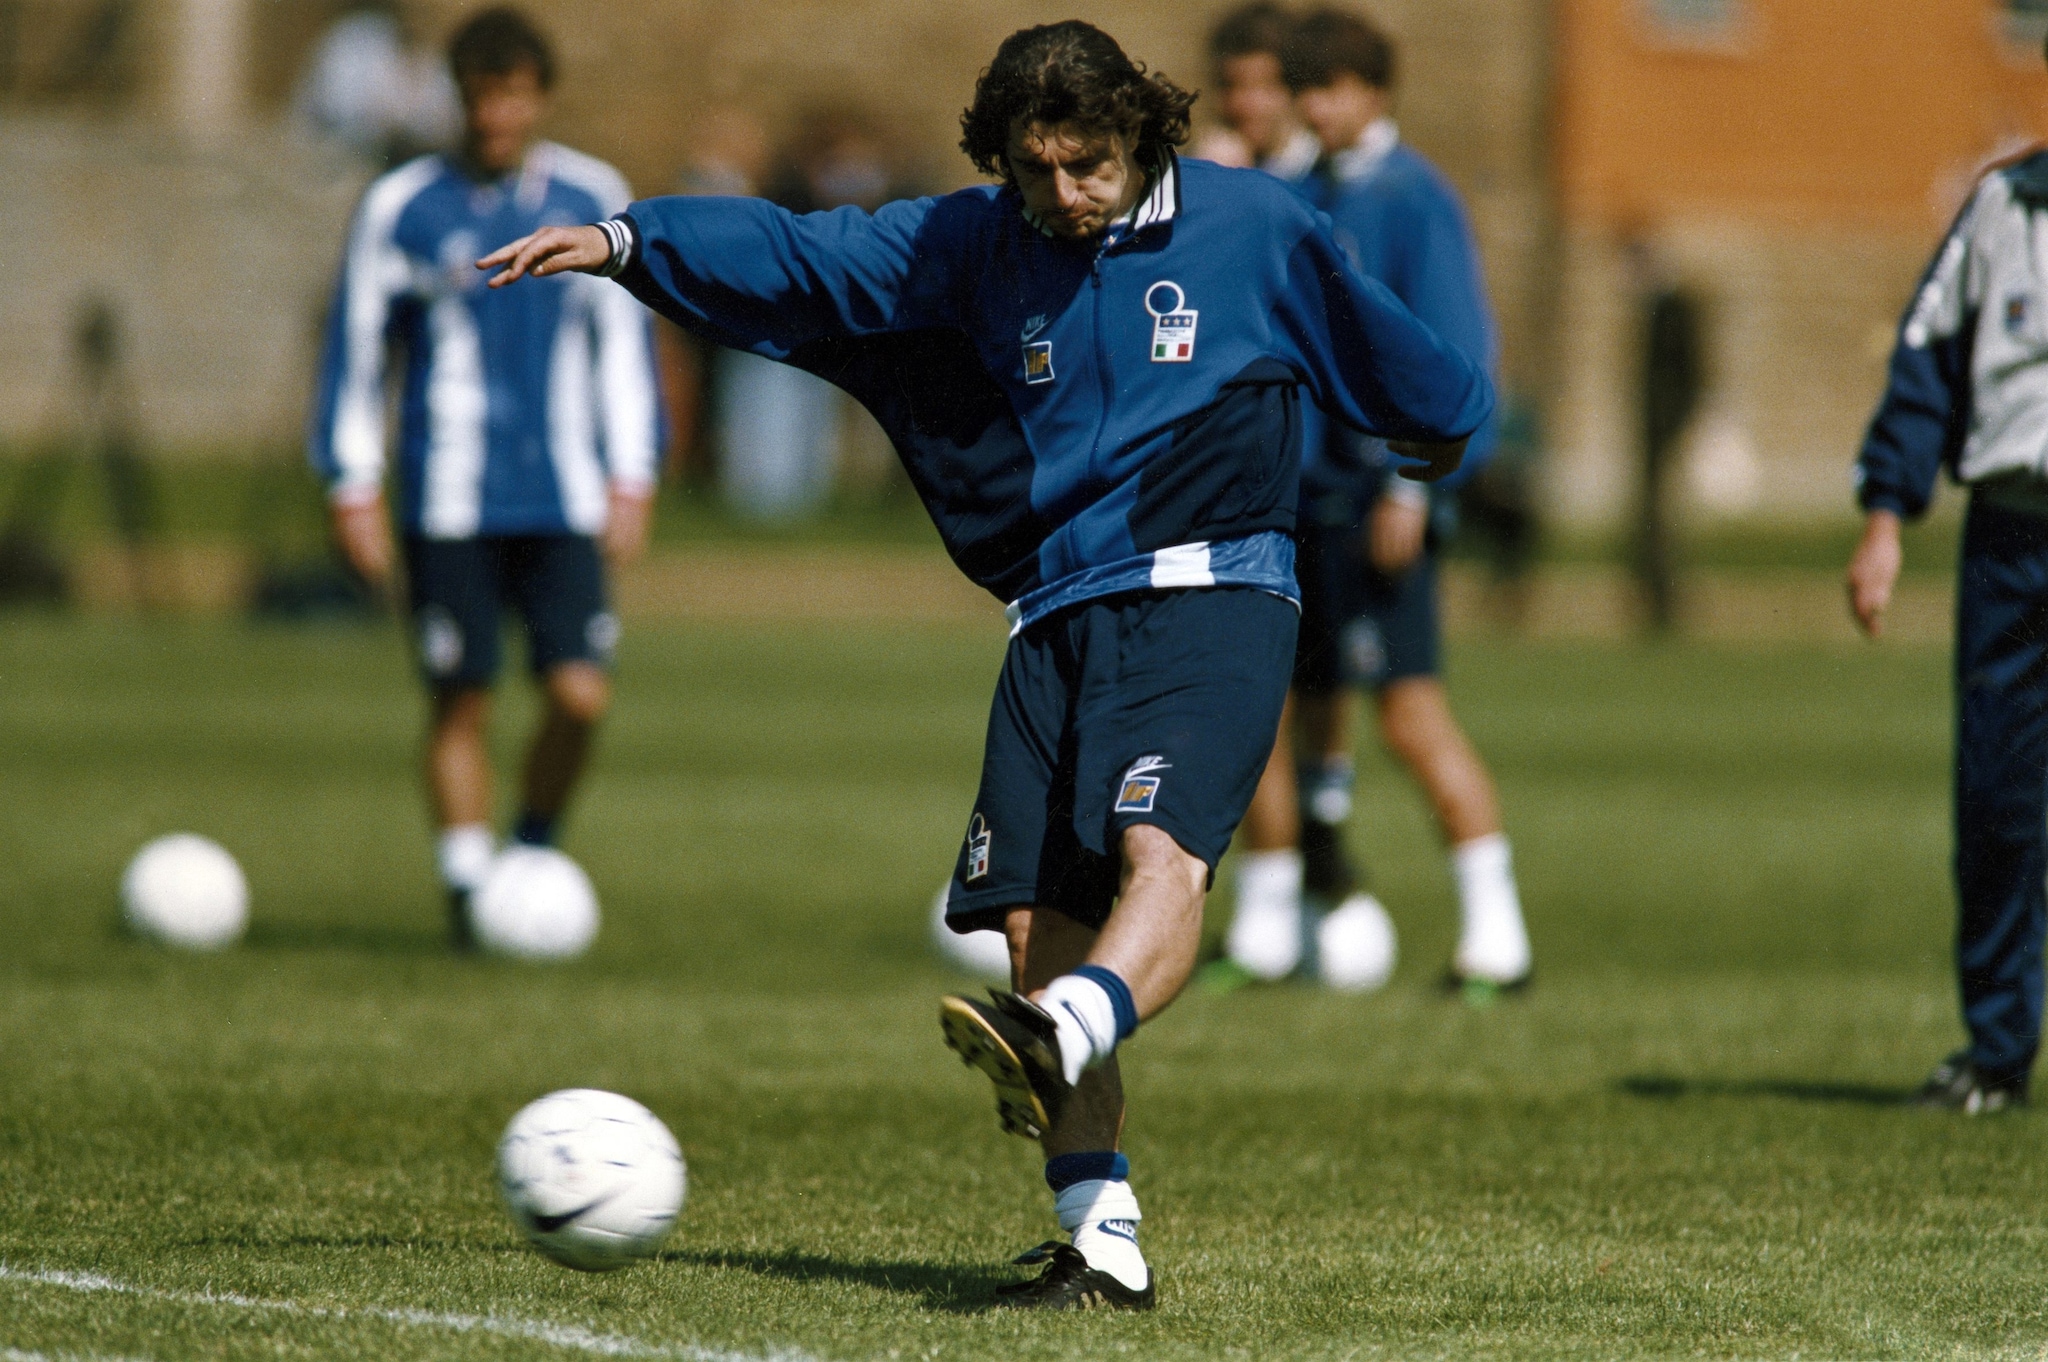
(1792, 163)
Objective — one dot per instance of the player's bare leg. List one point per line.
(1418, 726)
(458, 771)
(577, 695)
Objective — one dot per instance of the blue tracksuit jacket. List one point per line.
(519, 406)
(1404, 225)
(1152, 428)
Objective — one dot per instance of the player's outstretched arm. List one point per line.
(1874, 570)
(551, 250)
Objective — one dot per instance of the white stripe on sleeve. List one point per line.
(375, 272)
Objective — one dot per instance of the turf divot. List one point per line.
(573, 1337)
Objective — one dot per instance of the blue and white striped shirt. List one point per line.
(518, 406)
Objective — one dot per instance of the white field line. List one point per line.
(571, 1336)
(22, 1355)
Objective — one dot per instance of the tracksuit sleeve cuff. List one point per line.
(1883, 501)
(624, 239)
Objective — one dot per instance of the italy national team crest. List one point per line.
(977, 848)
(1173, 323)
(1038, 362)
(1140, 787)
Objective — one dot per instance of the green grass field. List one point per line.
(1685, 1142)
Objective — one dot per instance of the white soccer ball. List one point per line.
(983, 954)
(1355, 947)
(594, 1179)
(184, 890)
(535, 904)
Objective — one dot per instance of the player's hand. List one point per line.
(363, 534)
(1394, 538)
(1438, 461)
(551, 250)
(626, 525)
(1874, 571)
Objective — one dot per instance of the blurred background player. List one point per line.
(1259, 123)
(1367, 553)
(1969, 390)
(528, 428)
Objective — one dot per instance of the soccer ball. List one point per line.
(535, 904)
(1355, 949)
(983, 954)
(184, 890)
(594, 1179)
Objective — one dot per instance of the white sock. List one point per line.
(1103, 1217)
(464, 855)
(1087, 1020)
(1265, 931)
(1493, 943)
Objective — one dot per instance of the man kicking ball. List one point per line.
(1123, 340)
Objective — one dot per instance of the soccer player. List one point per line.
(527, 429)
(1367, 566)
(1252, 94)
(1967, 393)
(1100, 362)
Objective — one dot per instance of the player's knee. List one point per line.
(579, 692)
(1413, 716)
(1153, 853)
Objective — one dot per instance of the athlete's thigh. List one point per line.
(453, 588)
(1181, 740)
(1020, 849)
(557, 583)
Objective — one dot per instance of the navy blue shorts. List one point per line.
(460, 589)
(1358, 626)
(1157, 707)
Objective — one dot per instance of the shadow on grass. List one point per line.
(954, 1290)
(344, 936)
(1665, 1088)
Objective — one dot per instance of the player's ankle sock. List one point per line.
(1325, 788)
(1093, 1198)
(535, 829)
(463, 855)
(1265, 931)
(1094, 1011)
(1493, 942)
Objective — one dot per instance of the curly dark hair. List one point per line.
(497, 42)
(1071, 72)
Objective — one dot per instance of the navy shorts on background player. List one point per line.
(1360, 627)
(460, 588)
(1156, 708)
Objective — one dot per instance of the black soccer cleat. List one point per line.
(1070, 1284)
(1959, 1085)
(461, 932)
(1326, 869)
(1017, 1045)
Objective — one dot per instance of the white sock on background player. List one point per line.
(1265, 932)
(1493, 942)
(464, 854)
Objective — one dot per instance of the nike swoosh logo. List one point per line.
(1033, 327)
(548, 1224)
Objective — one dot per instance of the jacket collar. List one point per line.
(1364, 157)
(2029, 179)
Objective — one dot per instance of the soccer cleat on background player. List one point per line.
(1016, 1043)
(1068, 1283)
(1958, 1085)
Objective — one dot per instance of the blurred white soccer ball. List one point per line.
(184, 890)
(594, 1179)
(535, 904)
(1355, 948)
(984, 954)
